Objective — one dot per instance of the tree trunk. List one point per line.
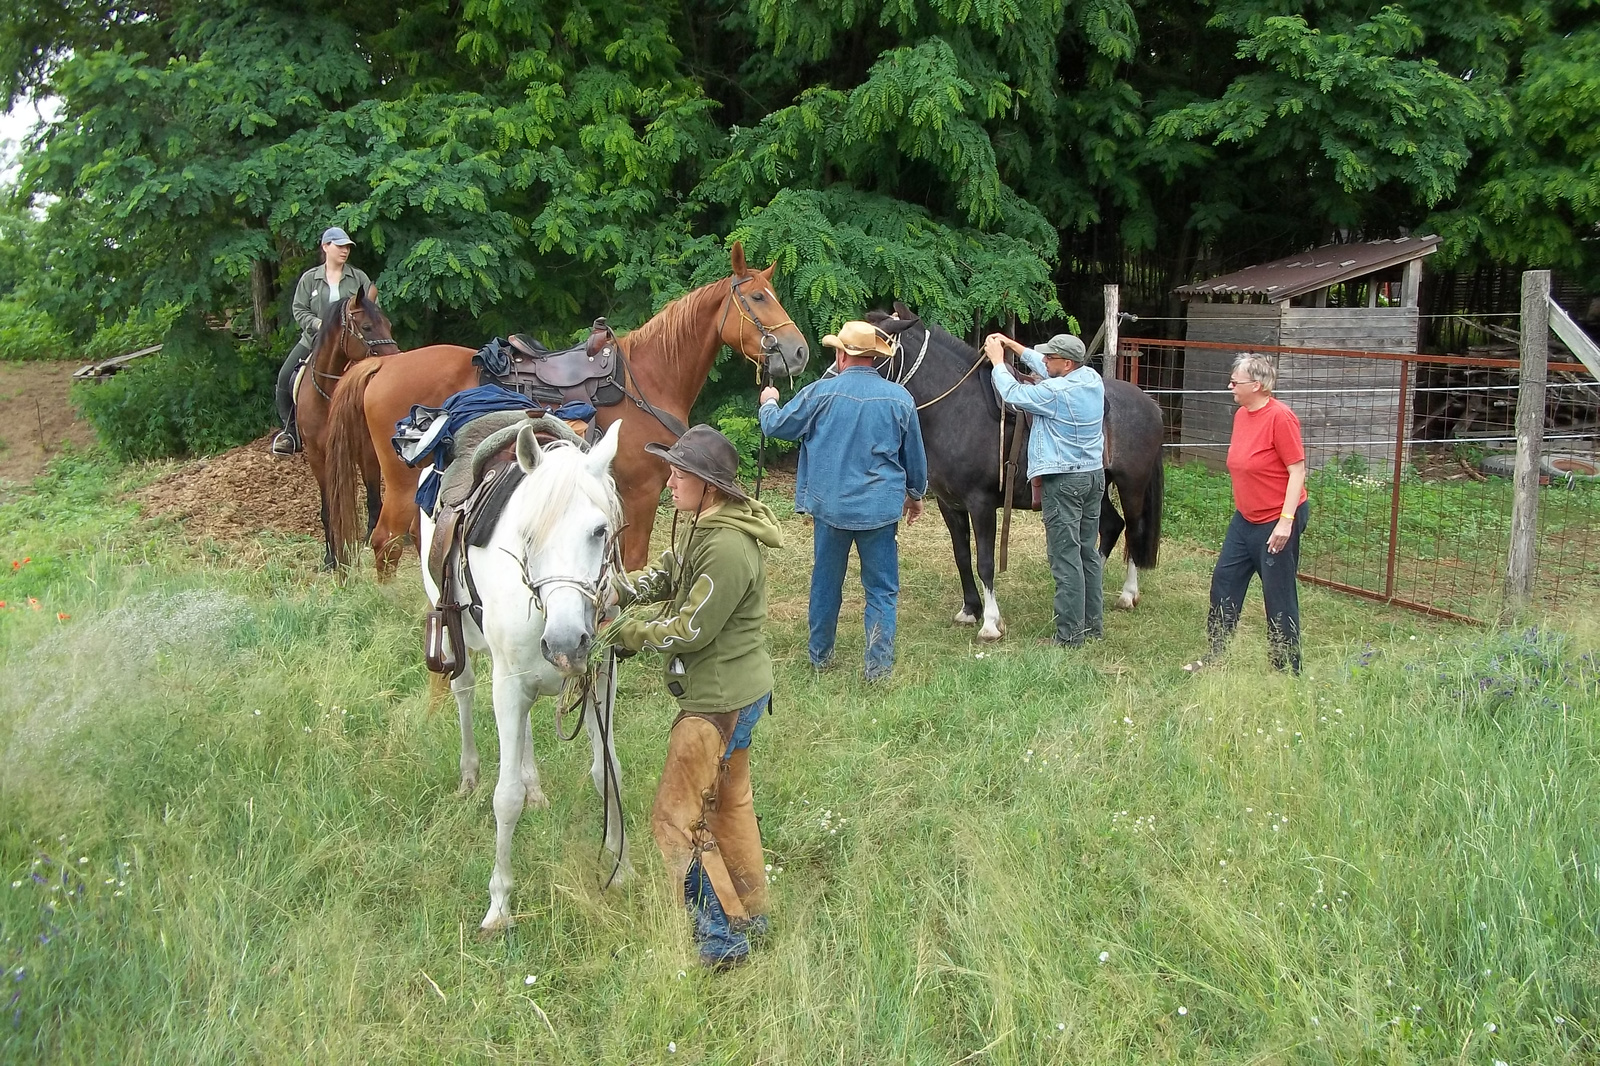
(261, 293)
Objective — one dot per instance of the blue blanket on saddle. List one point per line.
(427, 434)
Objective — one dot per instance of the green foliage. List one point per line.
(737, 420)
(28, 333)
(202, 393)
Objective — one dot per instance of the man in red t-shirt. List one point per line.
(1267, 462)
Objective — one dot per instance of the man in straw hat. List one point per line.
(1066, 447)
(712, 585)
(861, 468)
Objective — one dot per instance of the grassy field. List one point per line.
(228, 830)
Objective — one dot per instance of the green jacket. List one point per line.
(312, 299)
(713, 585)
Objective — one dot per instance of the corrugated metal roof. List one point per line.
(1296, 275)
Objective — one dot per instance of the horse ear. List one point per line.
(604, 451)
(528, 451)
(372, 294)
(355, 302)
(902, 311)
(736, 257)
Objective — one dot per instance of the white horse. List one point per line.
(538, 581)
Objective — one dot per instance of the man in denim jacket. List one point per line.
(861, 468)
(1066, 447)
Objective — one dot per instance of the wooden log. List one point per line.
(1530, 439)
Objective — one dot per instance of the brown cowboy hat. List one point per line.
(708, 455)
(859, 338)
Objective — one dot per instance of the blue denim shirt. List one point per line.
(1068, 435)
(860, 448)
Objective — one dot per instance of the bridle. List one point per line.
(591, 589)
(348, 328)
(747, 315)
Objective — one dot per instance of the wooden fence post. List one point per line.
(1535, 345)
(1113, 309)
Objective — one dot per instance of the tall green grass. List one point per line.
(1007, 854)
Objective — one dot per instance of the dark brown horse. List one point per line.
(667, 359)
(354, 329)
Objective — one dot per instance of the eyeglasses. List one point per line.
(1246, 381)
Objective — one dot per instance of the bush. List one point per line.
(27, 333)
(737, 421)
(204, 392)
(130, 334)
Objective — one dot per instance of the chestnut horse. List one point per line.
(667, 362)
(354, 329)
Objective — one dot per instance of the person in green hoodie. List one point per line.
(712, 585)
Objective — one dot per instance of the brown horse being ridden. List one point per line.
(666, 363)
(355, 329)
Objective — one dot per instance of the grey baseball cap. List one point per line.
(1062, 346)
(335, 235)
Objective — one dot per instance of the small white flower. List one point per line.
(1483, 925)
(1559, 1020)
(1491, 1027)
(1222, 862)
(63, 836)
(672, 1047)
(305, 728)
(1126, 720)
(681, 974)
(1413, 637)
(1315, 1020)
(769, 867)
(1415, 1009)
(117, 893)
(1183, 1010)
(1488, 973)
(1105, 956)
(16, 884)
(82, 859)
(1497, 1062)
(530, 979)
(256, 713)
(1061, 1027)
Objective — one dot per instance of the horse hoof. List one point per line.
(494, 925)
(469, 785)
(1126, 602)
(991, 635)
(537, 798)
(965, 617)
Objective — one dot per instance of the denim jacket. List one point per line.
(1068, 435)
(860, 448)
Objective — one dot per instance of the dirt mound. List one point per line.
(238, 494)
(36, 418)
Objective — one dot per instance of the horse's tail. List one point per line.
(1144, 536)
(347, 441)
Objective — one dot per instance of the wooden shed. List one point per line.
(1353, 296)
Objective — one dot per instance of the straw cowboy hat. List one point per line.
(859, 338)
(708, 455)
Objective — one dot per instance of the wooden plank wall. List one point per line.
(1207, 403)
(1346, 406)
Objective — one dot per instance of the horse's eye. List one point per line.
(599, 533)
(759, 296)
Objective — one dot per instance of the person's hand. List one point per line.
(994, 349)
(316, 323)
(913, 510)
(1280, 535)
(769, 395)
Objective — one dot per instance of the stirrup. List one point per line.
(285, 444)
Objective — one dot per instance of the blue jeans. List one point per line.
(1243, 556)
(718, 938)
(880, 579)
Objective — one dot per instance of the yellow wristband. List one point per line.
(1289, 515)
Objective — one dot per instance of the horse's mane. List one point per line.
(675, 328)
(340, 310)
(561, 476)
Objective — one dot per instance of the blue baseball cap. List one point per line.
(335, 235)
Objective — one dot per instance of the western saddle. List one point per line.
(586, 372)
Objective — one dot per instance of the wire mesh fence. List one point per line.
(1410, 459)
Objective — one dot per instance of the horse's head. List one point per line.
(901, 326)
(358, 328)
(567, 513)
(754, 323)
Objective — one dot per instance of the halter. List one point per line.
(589, 589)
(747, 314)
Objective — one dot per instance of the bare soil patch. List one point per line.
(238, 495)
(37, 419)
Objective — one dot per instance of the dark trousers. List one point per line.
(1244, 555)
(286, 381)
(1072, 543)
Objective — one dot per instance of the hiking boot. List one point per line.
(285, 444)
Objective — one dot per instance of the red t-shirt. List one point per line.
(1265, 442)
